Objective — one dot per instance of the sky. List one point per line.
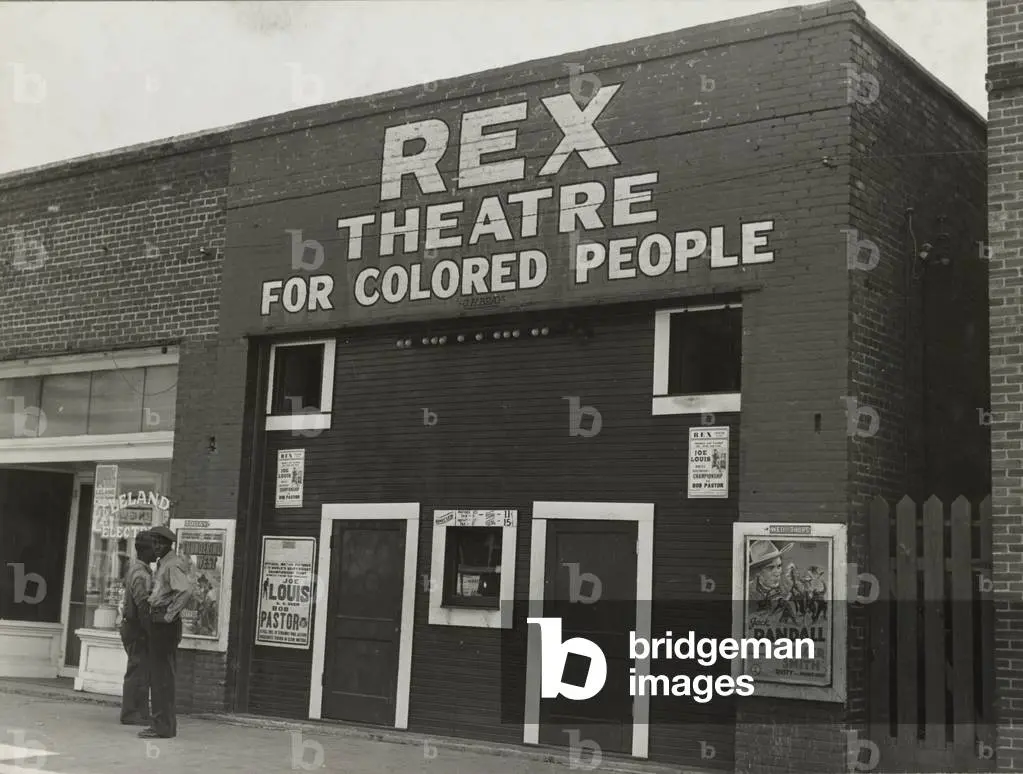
(80, 78)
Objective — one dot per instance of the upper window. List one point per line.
(698, 359)
(301, 388)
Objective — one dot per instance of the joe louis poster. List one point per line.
(789, 582)
(286, 592)
(208, 545)
(708, 462)
(290, 477)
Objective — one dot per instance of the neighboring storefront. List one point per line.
(85, 462)
(109, 287)
(570, 331)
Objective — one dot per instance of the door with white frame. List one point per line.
(99, 558)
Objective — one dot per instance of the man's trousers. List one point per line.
(135, 691)
(163, 662)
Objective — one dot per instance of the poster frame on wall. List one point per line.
(832, 535)
(218, 645)
(313, 592)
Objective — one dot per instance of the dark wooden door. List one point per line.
(606, 550)
(360, 670)
(79, 576)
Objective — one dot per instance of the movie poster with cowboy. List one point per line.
(208, 544)
(789, 585)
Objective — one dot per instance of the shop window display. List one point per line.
(121, 509)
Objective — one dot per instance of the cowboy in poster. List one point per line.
(787, 597)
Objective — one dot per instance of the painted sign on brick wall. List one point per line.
(550, 198)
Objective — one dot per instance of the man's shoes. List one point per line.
(151, 734)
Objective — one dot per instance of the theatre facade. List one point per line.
(565, 325)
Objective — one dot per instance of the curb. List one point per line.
(545, 755)
(59, 694)
(555, 756)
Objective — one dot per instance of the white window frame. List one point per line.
(313, 420)
(665, 404)
(481, 618)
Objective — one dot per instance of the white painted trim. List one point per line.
(716, 403)
(367, 512)
(309, 421)
(100, 361)
(69, 562)
(29, 648)
(537, 566)
(481, 618)
(643, 514)
(89, 448)
(327, 380)
(838, 534)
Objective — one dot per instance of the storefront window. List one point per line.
(122, 507)
(17, 395)
(116, 405)
(160, 397)
(473, 572)
(89, 403)
(65, 405)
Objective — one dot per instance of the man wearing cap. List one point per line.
(765, 572)
(171, 592)
(138, 583)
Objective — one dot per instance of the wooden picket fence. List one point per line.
(931, 666)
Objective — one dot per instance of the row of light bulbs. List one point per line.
(461, 338)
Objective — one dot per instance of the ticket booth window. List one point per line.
(473, 573)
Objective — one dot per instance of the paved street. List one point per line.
(46, 735)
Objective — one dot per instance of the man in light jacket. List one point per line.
(172, 591)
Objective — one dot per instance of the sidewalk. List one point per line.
(82, 730)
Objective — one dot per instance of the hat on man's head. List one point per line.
(763, 551)
(164, 532)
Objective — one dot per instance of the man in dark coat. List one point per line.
(138, 584)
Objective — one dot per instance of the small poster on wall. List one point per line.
(789, 584)
(708, 462)
(290, 477)
(104, 497)
(286, 592)
(208, 544)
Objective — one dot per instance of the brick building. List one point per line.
(1005, 95)
(468, 339)
(108, 337)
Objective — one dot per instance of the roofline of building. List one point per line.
(926, 74)
(833, 11)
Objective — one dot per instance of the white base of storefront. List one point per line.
(29, 649)
(102, 663)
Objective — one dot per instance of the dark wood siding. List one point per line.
(501, 440)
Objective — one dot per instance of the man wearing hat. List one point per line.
(172, 590)
(138, 583)
(765, 573)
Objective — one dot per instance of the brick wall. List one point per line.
(917, 178)
(106, 253)
(125, 250)
(1005, 196)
